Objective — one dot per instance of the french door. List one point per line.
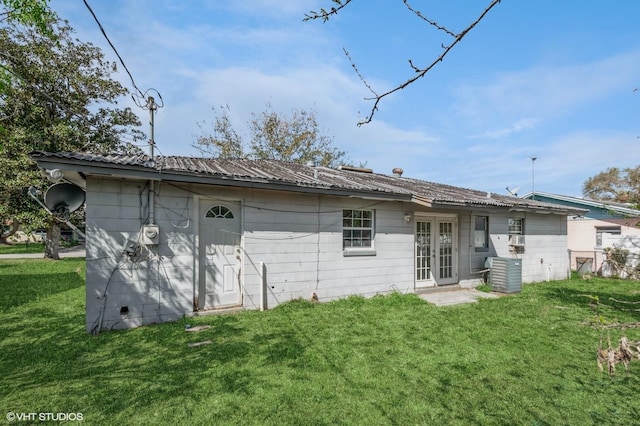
(436, 251)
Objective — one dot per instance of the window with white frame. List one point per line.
(357, 229)
(614, 230)
(516, 232)
(481, 233)
(219, 212)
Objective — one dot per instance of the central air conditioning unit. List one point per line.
(516, 240)
(150, 235)
(505, 275)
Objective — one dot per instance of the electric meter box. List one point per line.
(150, 235)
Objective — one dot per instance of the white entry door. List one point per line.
(436, 251)
(219, 284)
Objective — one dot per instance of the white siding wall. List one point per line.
(301, 246)
(298, 237)
(158, 286)
(471, 260)
(545, 254)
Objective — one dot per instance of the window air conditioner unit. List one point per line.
(516, 240)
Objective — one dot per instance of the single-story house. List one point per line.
(174, 236)
(585, 231)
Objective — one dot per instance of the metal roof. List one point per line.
(275, 173)
(621, 208)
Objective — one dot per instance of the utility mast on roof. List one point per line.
(533, 178)
(151, 104)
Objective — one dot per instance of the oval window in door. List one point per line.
(219, 212)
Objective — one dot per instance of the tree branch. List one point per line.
(421, 72)
(325, 15)
(353, 64)
(620, 325)
(431, 22)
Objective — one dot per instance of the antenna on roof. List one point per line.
(153, 107)
(514, 191)
(533, 178)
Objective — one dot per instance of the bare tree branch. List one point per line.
(431, 22)
(353, 64)
(621, 325)
(419, 72)
(324, 14)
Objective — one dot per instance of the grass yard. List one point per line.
(20, 248)
(524, 359)
(32, 247)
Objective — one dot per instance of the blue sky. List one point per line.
(536, 78)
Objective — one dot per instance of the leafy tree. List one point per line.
(59, 99)
(32, 13)
(614, 184)
(275, 136)
(35, 13)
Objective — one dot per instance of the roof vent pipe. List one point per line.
(397, 172)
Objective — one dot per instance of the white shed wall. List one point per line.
(297, 236)
(545, 256)
(299, 239)
(157, 286)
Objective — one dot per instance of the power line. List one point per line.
(104, 33)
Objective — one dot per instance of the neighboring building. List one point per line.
(585, 231)
(177, 235)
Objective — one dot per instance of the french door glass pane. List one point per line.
(423, 250)
(446, 249)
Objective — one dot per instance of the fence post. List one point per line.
(263, 285)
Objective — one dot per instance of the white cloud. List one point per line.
(518, 126)
(584, 154)
(562, 165)
(247, 53)
(326, 89)
(545, 91)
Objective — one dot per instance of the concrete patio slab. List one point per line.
(456, 297)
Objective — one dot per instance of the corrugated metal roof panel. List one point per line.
(274, 171)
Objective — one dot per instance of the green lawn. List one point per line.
(524, 359)
(20, 248)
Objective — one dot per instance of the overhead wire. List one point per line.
(143, 97)
(295, 235)
(268, 209)
(104, 33)
(185, 216)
